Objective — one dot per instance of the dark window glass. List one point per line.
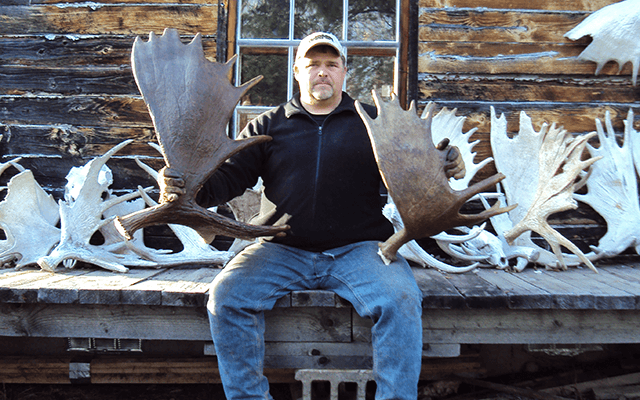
(372, 20)
(369, 72)
(272, 89)
(318, 15)
(265, 19)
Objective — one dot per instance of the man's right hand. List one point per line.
(171, 185)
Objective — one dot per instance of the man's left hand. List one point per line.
(454, 164)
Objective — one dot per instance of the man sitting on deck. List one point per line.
(320, 169)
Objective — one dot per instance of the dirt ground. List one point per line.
(112, 392)
(180, 392)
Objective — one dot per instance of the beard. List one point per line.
(321, 92)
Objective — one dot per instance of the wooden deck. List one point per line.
(316, 329)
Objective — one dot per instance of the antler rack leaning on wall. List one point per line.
(191, 101)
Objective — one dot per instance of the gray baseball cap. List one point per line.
(319, 38)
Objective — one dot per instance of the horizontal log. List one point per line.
(30, 370)
(475, 50)
(534, 63)
(68, 81)
(559, 5)
(66, 2)
(483, 25)
(119, 370)
(530, 326)
(64, 51)
(576, 118)
(117, 111)
(73, 141)
(307, 324)
(91, 19)
(527, 88)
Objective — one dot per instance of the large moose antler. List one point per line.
(412, 170)
(191, 101)
(541, 170)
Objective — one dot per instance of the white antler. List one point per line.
(81, 215)
(543, 189)
(446, 124)
(612, 188)
(28, 216)
(614, 29)
(412, 250)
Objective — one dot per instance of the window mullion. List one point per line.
(290, 53)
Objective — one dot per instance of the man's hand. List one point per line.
(454, 164)
(171, 185)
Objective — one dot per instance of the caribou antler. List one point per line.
(191, 101)
(412, 169)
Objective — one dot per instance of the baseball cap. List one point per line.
(316, 39)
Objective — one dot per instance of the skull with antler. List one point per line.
(191, 101)
(413, 172)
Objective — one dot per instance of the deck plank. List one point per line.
(39, 286)
(104, 287)
(479, 293)
(437, 290)
(520, 293)
(564, 296)
(605, 296)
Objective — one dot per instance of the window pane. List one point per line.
(265, 19)
(369, 72)
(372, 20)
(318, 15)
(272, 89)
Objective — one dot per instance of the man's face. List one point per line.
(320, 75)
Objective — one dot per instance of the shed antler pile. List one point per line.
(191, 101)
(413, 171)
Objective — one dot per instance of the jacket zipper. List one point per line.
(315, 183)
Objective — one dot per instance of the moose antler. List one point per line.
(541, 169)
(191, 101)
(412, 170)
(614, 30)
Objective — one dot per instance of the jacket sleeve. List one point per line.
(239, 172)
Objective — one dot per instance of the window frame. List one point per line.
(398, 48)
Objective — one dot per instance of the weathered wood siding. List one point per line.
(513, 55)
(67, 93)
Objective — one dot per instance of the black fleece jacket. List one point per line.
(325, 177)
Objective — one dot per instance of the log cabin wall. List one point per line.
(67, 92)
(512, 55)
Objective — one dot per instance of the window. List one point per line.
(268, 32)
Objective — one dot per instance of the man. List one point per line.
(320, 169)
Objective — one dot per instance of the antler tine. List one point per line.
(413, 171)
(191, 100)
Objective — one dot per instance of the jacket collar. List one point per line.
(294, 106)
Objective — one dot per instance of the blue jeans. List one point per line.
(262, 273)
